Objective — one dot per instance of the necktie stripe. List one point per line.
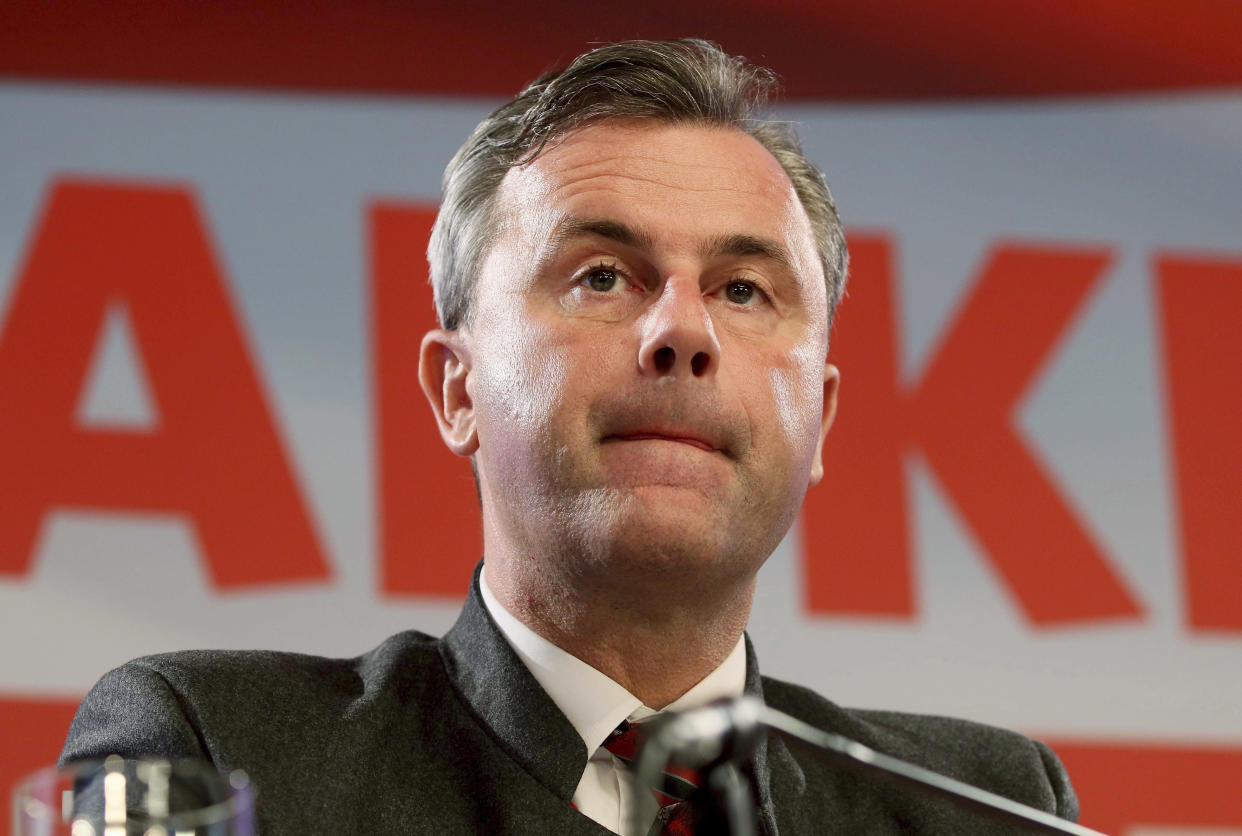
(678, 787)
(676, 816)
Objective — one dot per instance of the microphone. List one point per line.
(701, 736)
(714, 740)
(717, 738)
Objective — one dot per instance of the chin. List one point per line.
(675, 538)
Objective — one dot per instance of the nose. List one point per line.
(678, 338)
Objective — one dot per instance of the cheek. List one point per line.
(519, 387)
(517, 397)
(797, 392)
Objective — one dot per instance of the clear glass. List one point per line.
(119, 797)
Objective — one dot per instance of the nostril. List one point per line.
(698, 363)
(664, 358)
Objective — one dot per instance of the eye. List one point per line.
(742, 293)
(602, 278)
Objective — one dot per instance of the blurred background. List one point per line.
(212, 289)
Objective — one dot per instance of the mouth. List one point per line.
(676, 437)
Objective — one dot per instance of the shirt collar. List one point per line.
(594, 703)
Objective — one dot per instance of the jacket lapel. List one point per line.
(522, 718)
(771, 758)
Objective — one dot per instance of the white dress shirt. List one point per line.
(595, 705)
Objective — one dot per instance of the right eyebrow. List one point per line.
(577, 227)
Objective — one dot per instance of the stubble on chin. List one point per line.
(617, 535)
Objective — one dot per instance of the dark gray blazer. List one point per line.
(454, 736)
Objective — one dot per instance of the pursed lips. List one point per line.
(693, 441)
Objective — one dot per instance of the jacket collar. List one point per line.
(527, 724)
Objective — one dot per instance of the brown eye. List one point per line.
(602, 279)
(740, 293)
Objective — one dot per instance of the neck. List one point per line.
(657, 639)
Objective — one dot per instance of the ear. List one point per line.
(443, 370)
(832, 382)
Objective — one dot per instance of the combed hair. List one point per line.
(685, 81)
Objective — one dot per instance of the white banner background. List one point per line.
(283, 183)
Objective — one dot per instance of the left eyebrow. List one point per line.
(740, 244)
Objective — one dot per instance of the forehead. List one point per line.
(682, 183)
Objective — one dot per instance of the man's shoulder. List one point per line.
(255, 671)
(198, 703)
(915, 737)
(996, 759)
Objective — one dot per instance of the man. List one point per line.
(635, 282)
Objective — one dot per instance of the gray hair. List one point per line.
(686, 81)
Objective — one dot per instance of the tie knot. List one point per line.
(678, 782)
(624, 740)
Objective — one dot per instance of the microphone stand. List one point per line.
(720, 736)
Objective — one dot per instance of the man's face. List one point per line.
(645, 367)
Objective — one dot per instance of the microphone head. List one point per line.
(727, 729)
(717, 740)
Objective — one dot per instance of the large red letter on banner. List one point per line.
(430, 532)
(1200, 308)
(1186, 788)
(960, 416)
(856, 540)
(214, 456)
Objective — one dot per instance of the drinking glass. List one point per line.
(144, 796)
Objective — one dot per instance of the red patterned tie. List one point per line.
(677, 816)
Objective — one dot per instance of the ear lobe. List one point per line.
(832, 382)
(443, 369)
